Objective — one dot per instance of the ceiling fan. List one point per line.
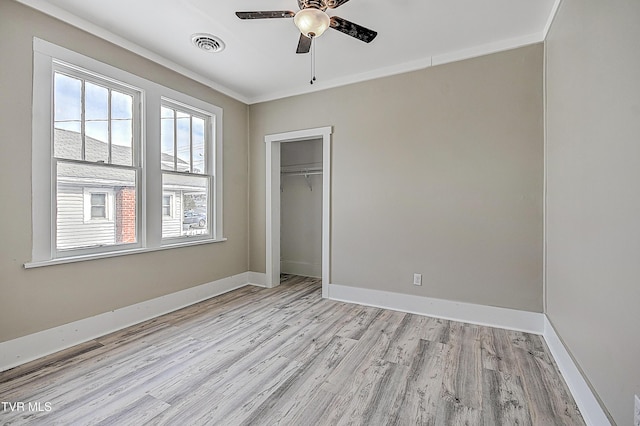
(312, 20)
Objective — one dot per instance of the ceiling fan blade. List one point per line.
(354, 30)
(304, 44)
(333, 4)
(266, 14)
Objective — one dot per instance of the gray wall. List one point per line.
(301, 210)
(437, 171)
(593, 201)
(38, 299)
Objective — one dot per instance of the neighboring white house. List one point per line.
(96, 205)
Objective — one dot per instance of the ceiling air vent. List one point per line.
(207, 42)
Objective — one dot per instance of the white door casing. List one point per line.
(273, 200)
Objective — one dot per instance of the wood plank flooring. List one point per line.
(286, 356)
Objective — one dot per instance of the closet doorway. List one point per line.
(309, 169)
(301, 208)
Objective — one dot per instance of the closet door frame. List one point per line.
(272, 143)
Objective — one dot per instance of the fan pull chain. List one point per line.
(313, 60)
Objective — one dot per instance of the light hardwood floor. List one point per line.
(286, 356)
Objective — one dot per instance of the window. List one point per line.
(185, 169)
(94, 140)
(98, 186)
(98, 206)
(167, 205)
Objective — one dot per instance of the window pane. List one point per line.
(96, 102)
(166, 112)
(198, 145)
(68, 103)
(96, 107)
(166, 135)
(67, 117)
(98, 130)
(190, 204)
(122, 142)
(67, 144)
(96, 146)
(121, 106)
(98, 212)
(76, 204)
(98, 200)
(183, 123)
(121, 129)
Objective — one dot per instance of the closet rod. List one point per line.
(314, 165)
(302, 173)
(306, 173)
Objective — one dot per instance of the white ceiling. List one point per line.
(260, 63)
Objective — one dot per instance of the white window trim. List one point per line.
(150, 236)
(109, 204)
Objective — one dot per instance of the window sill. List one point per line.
(74, 259)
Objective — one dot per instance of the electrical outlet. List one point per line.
(636, 411)
(417, 279)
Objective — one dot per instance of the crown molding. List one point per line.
(460, 55)
(422, 63)
(71, 19)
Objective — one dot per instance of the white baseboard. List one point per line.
(258, 279)
(530, 322)
(33, 346)
(28, 348)
(304, 269)
(511, 319)
(587, 403)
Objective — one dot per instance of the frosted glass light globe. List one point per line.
(311, 22)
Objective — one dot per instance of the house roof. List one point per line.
(68, 145)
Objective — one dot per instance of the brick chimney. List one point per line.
(126, 215)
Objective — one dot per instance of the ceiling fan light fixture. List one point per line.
(311, 22)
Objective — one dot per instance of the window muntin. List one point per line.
(93, 147)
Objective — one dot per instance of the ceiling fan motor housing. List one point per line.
(314, 4)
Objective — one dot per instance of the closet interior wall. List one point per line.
(301, 208)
